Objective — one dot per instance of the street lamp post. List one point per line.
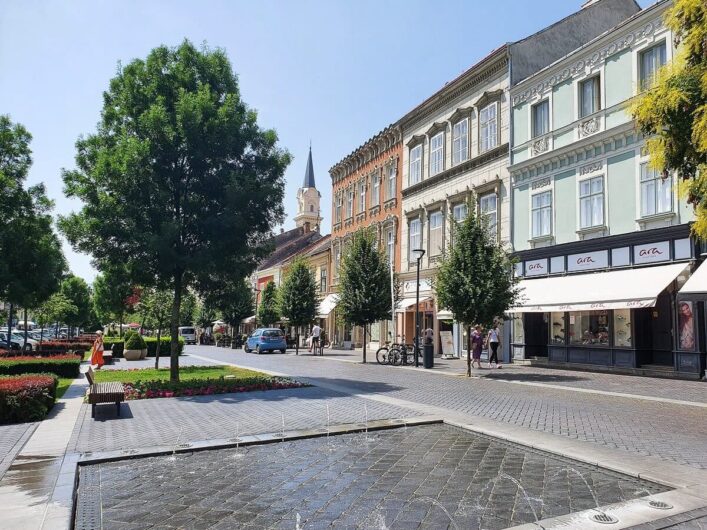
(255, 320)
(418, 253)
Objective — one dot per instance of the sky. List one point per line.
(332, 72)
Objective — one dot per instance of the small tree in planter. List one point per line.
(135, 347)
(298, 296)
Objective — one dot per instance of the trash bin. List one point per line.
(428, 359)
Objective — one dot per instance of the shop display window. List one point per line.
(622, 328)
(589, 328)
(686, 326)
(557, 328)
(518, 330)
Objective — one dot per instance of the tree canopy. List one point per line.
(179, 181)
(475, 280)
(269, 308)
(233, 300)
(76, 290)
(673, 110)
(364, 283)
(112, 292)
(298, 295)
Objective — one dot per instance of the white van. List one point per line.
(188, 333)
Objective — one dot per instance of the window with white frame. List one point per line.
(488, 127)
(390, 244)
(415, 165)
(349, 203)
(589, 97)
(541, 214)
(437, 153)
(541, 118)
(656, 192)
(436, 237)
(459, 213)
(391, 182)
(376, 190)
(322, 280)
(489, 211)
(415, 238)
(337, 260)
(338, 207)
(591, 202)
(650, 62)
(460, 141)
(361, 197)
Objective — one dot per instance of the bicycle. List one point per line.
(383, 354)
(404, 354)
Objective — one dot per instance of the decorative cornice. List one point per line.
(485, 158)
(415, 140)
(460, 113)
(435, 128)
(384, 141)
(488, 97)
(581, 66)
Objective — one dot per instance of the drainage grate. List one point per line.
(660, 505)
(604, 518)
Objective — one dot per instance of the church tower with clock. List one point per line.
(308, 197)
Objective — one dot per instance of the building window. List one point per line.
(415, 238)
(591, 202)
(322, 280)
(656, 192)
(589, 97)
(391, 182)
(415, 165)
(436, 234)
(436, 153)
(487, 206)
(460, 211)
(376, 191)
(557, 332)
(541, 213)
(337, 261)
(338, 208)
(541, 118)
(361, 197)
(650, 62)
(589, 328)
(460, 141)
(488, 127)
(349, 203)
(390, 245)
(622, 328)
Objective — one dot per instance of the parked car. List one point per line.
(16, 342)
(19, 335)
(188, 333)
(266, 339)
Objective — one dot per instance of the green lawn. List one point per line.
(64, 384)
(186, 373)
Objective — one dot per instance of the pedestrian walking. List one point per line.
(493, 341)
(97, 350)
(477, 343)
(316, 333)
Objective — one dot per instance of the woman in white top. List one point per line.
(493, 340)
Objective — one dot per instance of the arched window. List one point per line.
(311, 207)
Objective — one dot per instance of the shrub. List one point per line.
(164, 349)
(134, 342)
(117, 345)
(205, 387)
(63, 346)
(26, 397)
(60, 365)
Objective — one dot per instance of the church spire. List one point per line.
(309, 173)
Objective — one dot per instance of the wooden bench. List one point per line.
(104, 393)
(107, 357)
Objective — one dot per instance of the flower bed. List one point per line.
(61, 365)
(206, 387)
(26, 397)
(63, 346)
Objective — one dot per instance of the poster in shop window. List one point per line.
(686, 324)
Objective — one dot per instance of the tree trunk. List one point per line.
(174, 328)
(297, 342)
(41, 335)
(364, 344)
(159, 343)
(56, 330)
(9, 329)
(26, 332)
(468, 352)
(120, 324)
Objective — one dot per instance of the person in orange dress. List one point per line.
(97, 353)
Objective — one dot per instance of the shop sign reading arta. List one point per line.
(536, 267)
(651, 253)
(588, 261)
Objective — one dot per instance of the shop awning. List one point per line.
(696, 285)
(444, 315)
(248, 320)
(407, 303)
(623, 289)
(327, 305)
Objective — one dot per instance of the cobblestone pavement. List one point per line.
(418, 477)
(12, 438)
(673, 432)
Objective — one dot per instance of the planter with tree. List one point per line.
(135, 347)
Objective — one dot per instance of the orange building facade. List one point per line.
(366, 192)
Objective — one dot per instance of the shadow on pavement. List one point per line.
(536, 378)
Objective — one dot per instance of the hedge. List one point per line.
(206, 387)
(63, 346)
(26, 397)
(150, 342)
(60, 365)
(114, 343)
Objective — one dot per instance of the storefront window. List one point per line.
(518, 331)
(589, 328)
(557, 329)
(622, 328)
(686, 325)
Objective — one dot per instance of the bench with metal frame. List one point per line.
(98, 393)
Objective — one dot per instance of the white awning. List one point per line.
(622, 289)
(696, 285)
(406, 303)
(327, 305)
(248, 320)
(444, 314)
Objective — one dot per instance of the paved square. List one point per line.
(434, 476)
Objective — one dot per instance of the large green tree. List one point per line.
(179, 181)
(76, 290)
(298, 296)
(52, 310)
(234, 300)
(364, 283)
(112, 293)
(673, 110)
(475, 279)
(269, 308)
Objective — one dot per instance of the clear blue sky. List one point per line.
(331, 71)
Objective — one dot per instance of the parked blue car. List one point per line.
(266, 339)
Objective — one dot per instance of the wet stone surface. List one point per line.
(426, 477)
